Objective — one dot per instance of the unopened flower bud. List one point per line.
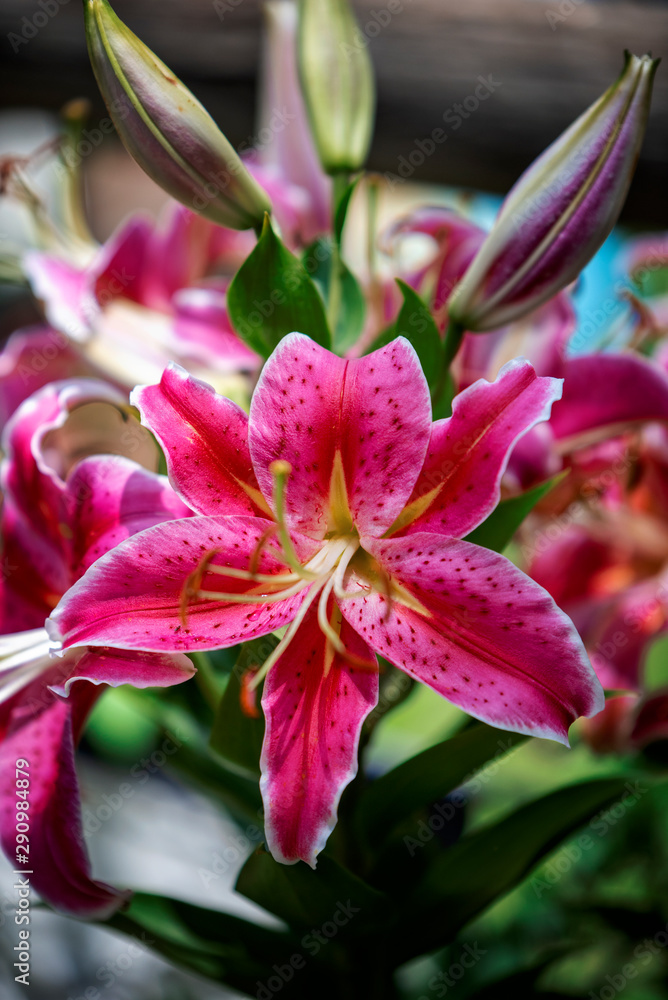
(166, 129)
(561, 210)
(337, 82)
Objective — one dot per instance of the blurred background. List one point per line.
(542, 62)
(547, 60)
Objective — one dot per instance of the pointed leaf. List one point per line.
(304, 897)
(497, 531)
(428, 777)
(341, 209)
(416, 323)
(272, 295)
(217, 945)
(487, 864)
(352, 312)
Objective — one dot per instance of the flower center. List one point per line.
(322, 576)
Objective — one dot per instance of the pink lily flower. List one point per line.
(629, 723)
(337, 509)
(151, 293)
(33, 357)
(59, 515)
(606, 565)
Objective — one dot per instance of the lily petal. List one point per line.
(203, 331)
(314, 703)
(32, 357)
(608, 390)
(132, 597)
(58, 857)
(122, 666)
(111, 498)
(487, 638)
(460, 482)
(60, 286)
(205, 439)
(374, 412)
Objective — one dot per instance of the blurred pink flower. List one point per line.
(59, 514)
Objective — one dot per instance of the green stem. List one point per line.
(339, 185)
(205, 679)
(453, 339)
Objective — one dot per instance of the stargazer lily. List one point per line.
(337, 509)
(59, 515)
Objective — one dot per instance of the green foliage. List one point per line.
(498, 529)
(236, 735)
(351, 314)
(272, 295)
(427, 777)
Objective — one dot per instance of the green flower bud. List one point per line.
(337, 82)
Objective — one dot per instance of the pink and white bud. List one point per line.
(562, 208)
(166, 129)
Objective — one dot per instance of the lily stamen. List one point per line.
(288, 637)
(280, 471)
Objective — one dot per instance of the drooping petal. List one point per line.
(608, 391)
(123, 666)
(60, 287)
(482, 634)
(58, 860)
(205, 438)
(459, 484)
(373, 411)
(133, 597)
(118, 268)
(314, 704)
(110, 498)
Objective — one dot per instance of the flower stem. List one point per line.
(205, 679)
(443, 391)
(339, 185)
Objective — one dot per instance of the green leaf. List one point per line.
(341, 209)
(236, 736)
(487, 864)
(428, 777)
(304, 897)
(416, 324)
(221, 947)
(497, 531)
(352, 312)
(271, 295)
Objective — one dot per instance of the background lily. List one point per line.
(152, 292)
(59, 515)
(337, 509)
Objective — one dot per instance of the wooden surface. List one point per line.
(428, 57)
